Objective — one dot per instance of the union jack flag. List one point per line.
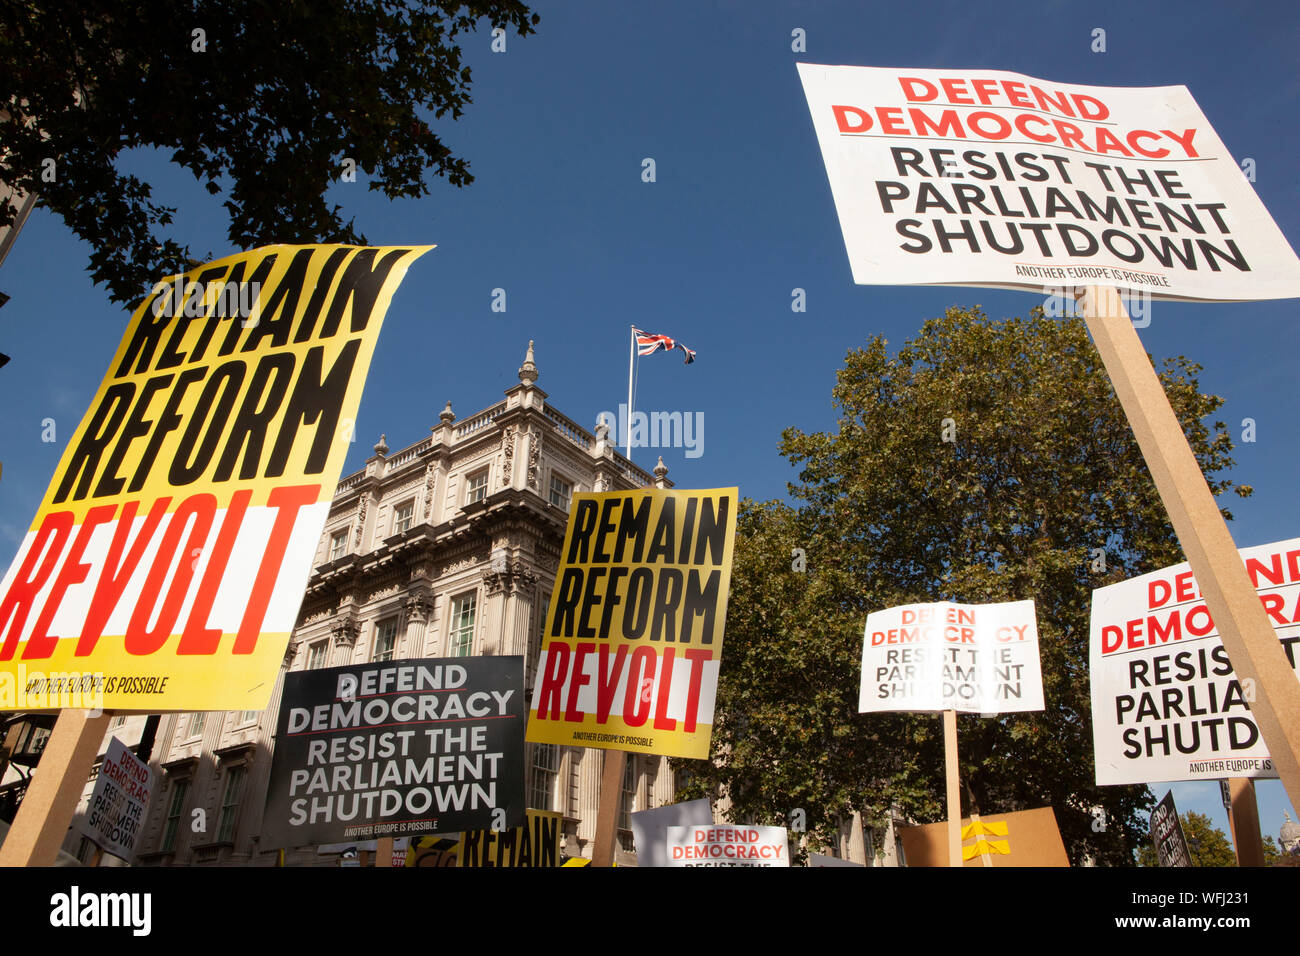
(648, 343)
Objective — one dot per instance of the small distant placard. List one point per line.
(974, 658)
(1167, 834)
(650, 828)
(118, 804)
(724, 845)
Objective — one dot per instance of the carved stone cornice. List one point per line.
(345, 632)
(419, 605)
(513, 576)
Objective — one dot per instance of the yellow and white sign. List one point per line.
(166, 564)
(633, 636)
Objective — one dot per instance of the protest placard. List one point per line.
(1020, 838)
(633, 637)
(167, 561)
(115, 816)
(982, 177)
(536, 843)
(401, 748)
(1167, 834)
(726, 845)
(650, 828)
(974, 658)
(1166, 702)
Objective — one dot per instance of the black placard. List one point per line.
(399, 748)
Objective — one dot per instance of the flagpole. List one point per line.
(631, 358)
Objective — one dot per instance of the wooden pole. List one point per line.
(1268, 682)
(985, 857)
(56, 789)
(954, 787)
(1244, 820)
(384, 851)
(611, 793)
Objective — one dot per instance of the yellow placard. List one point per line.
(535, 844)
(633, 638)
(166, 564)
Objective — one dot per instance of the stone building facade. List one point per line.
(444, 548)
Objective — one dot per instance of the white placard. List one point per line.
(115, 817)
(1166, 703)
(726, 845)
(987, 178)
(973, 658)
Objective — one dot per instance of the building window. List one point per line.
(197, 723)
(402, 517)
(316, 655)
(561, 492)
(627, 805)
(248, 717)
(385, 640)
(175, 807)
(462, 626)
(545, 775)
(230, 804)
(338, 545)
(117, 721)
(476, 487)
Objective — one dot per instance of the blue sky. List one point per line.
(740, 214)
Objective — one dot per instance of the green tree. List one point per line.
(1043, 494)
(259, 100)
(1207, 845)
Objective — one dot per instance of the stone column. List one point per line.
(419, 606)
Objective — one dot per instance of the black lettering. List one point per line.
(584, 523)
(107, 419)
(255, 415)
(136, 427)
(188, 464)
(667, 597)
(358, 288)
(314, 401)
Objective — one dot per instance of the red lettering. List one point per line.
(698, 657)
(1111, 639)
(642, 663)
(557, 665)
(580, 678)
(956, 90)
(116, 573)
(197, 637)
(662, 720)
(1158, 592)
(53, 532)
(917, 91)
(842, 119)
(289, 501)
(40, 643)
(140, 638)
(985, 90)
(607, 682)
